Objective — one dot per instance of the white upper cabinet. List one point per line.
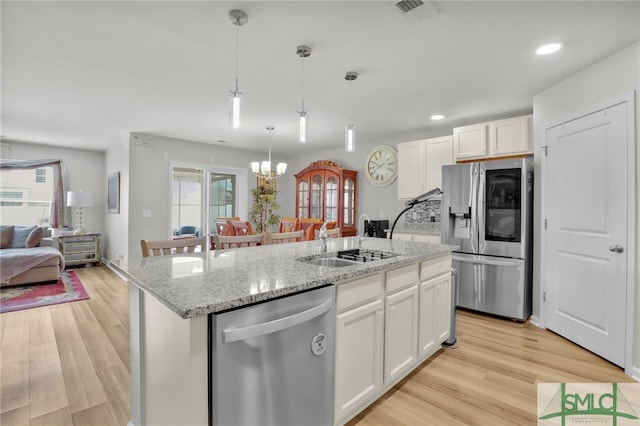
(439, 153)
(500, 138)
(511, 136)
(470, 141)
(411, 165)
(420, 165)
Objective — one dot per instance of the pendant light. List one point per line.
(350, 128)
(263, 169)
(237, 18)
(303, 52)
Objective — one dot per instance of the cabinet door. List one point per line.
(411, 174)
(470, 141)
(426, 327)
(401, 332)
(303, 196)
(331, 197)
(442, 308)
(359, 346)
(511, 136)
(439, 153)
(317, 195)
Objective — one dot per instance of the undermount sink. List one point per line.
(330, 261)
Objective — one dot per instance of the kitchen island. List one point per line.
(171, 298)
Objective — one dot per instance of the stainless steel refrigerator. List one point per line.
(487, 212)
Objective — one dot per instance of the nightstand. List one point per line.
(80, 249)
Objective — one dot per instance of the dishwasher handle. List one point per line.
(512, 263)
(256, 330)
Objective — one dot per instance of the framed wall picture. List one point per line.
(113, 193)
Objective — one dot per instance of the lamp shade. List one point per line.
(79, 199)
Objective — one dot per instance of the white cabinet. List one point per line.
(470, 141)
(359, 344)
(439, 153)
(386, 325)
(512, 136)
(400, 322)
(420, 165)
(435, 305)
(411, 165)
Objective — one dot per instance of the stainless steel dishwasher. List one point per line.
(273, 363)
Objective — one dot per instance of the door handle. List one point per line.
(616, 248)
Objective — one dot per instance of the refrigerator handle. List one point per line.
(256, 330)
(512, 263)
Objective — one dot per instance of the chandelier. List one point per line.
(263, 170)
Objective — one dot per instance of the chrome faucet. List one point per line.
(322, 236)
(361, 233)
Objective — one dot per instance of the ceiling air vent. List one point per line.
(407, 5)
(415, 10)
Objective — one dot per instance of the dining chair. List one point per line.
(285, 237)
(241, 227)
(289, 224)
(309, 225)
(223, 227)
(170, 247)
(223, 242)
(331, 233)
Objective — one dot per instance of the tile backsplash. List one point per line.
(424, 213)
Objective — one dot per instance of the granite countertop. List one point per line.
(214, 281)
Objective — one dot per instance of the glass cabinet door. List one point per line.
(331, 199)
(349, 202)
(303, 199)
(503, 205)
(316, 196)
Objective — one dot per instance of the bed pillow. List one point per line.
(34, 237)
(20, 235)
(6, 235)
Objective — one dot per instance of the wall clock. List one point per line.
(381, 167)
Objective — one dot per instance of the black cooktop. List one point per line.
(365, 255)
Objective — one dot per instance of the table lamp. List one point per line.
(80, 200)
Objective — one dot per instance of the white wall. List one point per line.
(613, 76)
(115, 240)
(149, 180)
(85, 171)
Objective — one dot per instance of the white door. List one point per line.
(585, 198)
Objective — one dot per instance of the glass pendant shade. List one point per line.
(281, 168)
(235, 109)
(302, 126)
(255, 167)
(350, 138)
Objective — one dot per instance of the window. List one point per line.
(26, 196)
(186, 197)
(41, 175)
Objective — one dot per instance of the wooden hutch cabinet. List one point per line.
(326, 191)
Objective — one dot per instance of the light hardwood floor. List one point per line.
(69, 365)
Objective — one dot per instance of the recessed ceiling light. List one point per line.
(437, 117)
(548, 48)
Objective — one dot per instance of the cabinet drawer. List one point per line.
(358, 292)
(80, 239)
(78, 248)
(401, 278)
(81, 257)
(434, 267)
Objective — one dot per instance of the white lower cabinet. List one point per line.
(386, 325)
(400, 332)
(435, 310)
(359, 344)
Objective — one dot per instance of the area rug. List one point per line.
(69, 288)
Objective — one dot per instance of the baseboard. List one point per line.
(115, 268)
(635, 373)
(535, 320)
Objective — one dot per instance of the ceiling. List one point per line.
(85, 74)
